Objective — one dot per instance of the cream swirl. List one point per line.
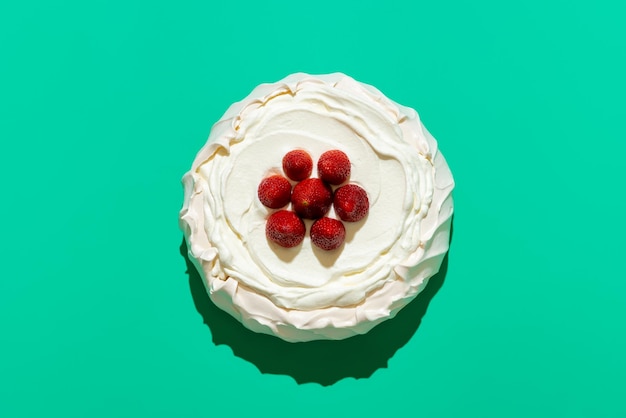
(393, 159)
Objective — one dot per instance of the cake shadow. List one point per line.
(324, 362)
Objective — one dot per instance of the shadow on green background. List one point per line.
(324, 362)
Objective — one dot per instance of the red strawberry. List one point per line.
(297, 164)
(351, 203)
(311, 198)
(334, 167)
(274, 191)
(285, 228)
(328, 233)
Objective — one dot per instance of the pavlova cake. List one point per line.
(317, 209)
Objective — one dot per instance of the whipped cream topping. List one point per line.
(305, 293)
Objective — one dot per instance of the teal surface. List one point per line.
(104, 104)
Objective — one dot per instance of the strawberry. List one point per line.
(351, 203)
(311, 198)
(328, 233)
(285, 228)
(274, 191)
(333, 167)
(297, 165)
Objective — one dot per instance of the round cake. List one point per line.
(302, 290)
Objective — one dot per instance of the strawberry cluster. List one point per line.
(311, 198)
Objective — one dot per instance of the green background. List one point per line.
(104, 104)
